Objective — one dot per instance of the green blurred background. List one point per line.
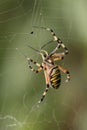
(20, 88)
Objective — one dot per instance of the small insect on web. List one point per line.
(51, 70)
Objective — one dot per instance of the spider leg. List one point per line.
(65, 71)
(44, 94)
(55, 38)
(60, 43)
(47, 44)
(57, 56)
(47, 87)
(37, 64)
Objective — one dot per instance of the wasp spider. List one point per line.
(51, 70)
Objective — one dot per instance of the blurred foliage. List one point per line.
(20, 89)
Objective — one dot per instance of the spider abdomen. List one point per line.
(55, 77)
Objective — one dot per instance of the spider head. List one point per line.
(43, 53)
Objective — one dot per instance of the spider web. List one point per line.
(20, 89)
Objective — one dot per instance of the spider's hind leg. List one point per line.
(44, 94)
(65, 71)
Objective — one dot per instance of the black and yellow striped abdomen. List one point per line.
(55, 77)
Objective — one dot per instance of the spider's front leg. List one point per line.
(55, 39)
(58, 40)
(37, 64)
(65, 71)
